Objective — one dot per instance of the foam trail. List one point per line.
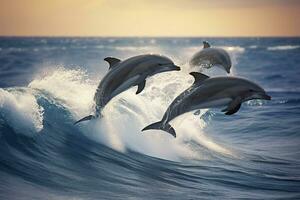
(21, 111)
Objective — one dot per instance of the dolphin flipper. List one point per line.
(85, 119)
(112, 61)
(199, 77)
(141, 86)
(233, 106)
(234, 110)
(160, 126)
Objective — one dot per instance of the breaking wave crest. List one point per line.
(124, 116)
(21, 110)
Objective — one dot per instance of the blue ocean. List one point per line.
(46, 84)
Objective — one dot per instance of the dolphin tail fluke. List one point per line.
(85, 119)
(160, 126)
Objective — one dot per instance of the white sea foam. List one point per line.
(253, 47)
(233, 49)
(21, 111)
(71, 88)
(283, 47)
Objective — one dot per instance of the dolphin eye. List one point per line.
(250, 90)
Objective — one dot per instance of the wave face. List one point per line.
(48, 83)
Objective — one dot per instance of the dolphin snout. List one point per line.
(177, 68)
(266, 97)
(260, 95)
(171, 67)
(228, 70)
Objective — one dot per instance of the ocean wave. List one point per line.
(251, 154)
(21, 110)
(72, 90)
(71, 87)
(283, 47)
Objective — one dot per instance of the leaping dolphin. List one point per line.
(123, 75)
(210, 92)
(211, 56)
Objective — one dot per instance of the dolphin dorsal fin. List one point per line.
(112, 61)
(205, 45)
(199, 77)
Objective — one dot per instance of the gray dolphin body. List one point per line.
(123, 75)
(211, 56)
(207, 93)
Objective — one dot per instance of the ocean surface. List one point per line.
(46, 84)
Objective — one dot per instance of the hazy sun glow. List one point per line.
(150, 17)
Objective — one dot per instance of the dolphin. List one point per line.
(123, 75)
(207, 93)
(211, 56)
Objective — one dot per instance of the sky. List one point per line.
(153, 18)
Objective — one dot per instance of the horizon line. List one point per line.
(104, 36)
